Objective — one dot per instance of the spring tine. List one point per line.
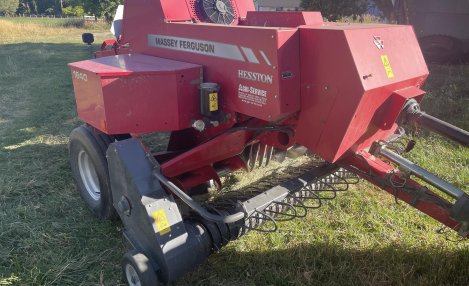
(311, 197)
(260, 222)
(342, 182)
(287, 201)
(253, 155)
(306, 194)
(262, 155)
(298, 204)
(279, 211)
(269, 152)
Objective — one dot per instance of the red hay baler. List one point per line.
(235, 89)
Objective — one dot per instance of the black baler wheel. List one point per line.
(138, 270)
(87, 149)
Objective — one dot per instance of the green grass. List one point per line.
(48, 237)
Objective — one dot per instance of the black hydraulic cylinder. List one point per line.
(420, 118)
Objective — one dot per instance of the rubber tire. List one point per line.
(142, 266)
(95, 144)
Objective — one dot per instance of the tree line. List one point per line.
(331, 9)
(98, 8)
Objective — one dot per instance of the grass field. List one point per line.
(48, 237)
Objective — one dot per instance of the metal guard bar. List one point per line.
(194, 204)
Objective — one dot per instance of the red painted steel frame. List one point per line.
(136, 93)
(340, 87)
(376, 171)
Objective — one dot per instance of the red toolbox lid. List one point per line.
(120, 65)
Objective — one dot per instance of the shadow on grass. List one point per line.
(319, 263)
(47, 236)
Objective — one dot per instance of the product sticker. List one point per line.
(252, 95)
(213, 101)
(387, 66)
(161, 221)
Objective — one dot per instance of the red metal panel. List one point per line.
(283, 19)
(175, 10)
(89, 98)
(347, 83)
(218, 149)
(136, 93)
(243, 6)
(260, 97)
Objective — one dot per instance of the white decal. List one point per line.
(196, 46)
(255, 76)
(266, 59)
(252, 95)
(250, 55)
(80, 76)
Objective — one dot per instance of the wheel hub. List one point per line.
(89, 175)
(132, 276)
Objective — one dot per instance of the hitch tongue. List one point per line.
(414, 169)
(459, 211)
(413, 114)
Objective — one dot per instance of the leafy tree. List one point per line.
(79, 11)
(68, 11)
(336, 9)
(102, 8)
(73, 11)
(8, 6)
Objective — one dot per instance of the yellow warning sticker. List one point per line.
(161, 221)
(387, 66)
(213, 101)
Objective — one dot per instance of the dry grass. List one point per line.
(16, 30)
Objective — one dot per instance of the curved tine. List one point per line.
(354, 179)
(312, 195)
(333, 189)
(315, 197)
(279, 211)
(298, 204)
(344, 181)
(311, 187)
(319, 192)
(258, 227)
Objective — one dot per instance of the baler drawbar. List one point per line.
(235, 89)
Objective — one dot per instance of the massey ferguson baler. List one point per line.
(234, 89)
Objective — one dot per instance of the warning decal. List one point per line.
(387, 66)
(161, 221)
(213, 102)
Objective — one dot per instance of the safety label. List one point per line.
(252, 95)
(387, 66)
(161, 221)
(213, 101)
